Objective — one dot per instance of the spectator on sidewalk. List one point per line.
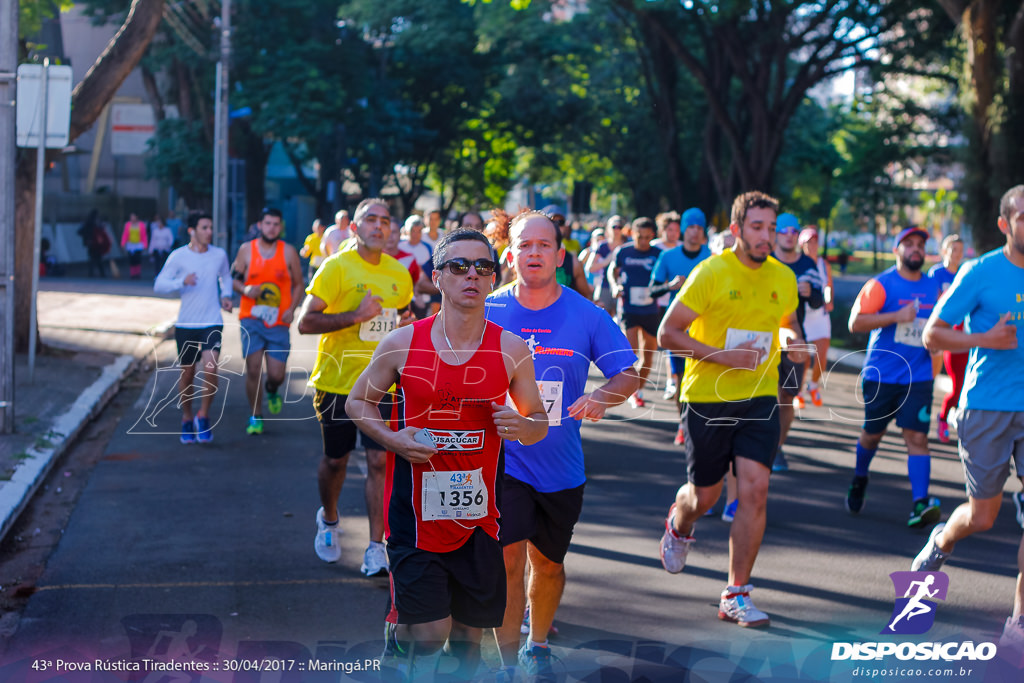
(161, 242)
(96, 242)
(134, 241)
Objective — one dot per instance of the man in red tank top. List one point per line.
(445, 458)
(268, 274)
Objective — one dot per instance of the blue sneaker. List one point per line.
(188, 432)
(536, 662)
(730, 511)
(203, 432)
(780, 464)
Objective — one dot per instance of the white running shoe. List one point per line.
(1011, 642)
(375, 560)
(326, 542)
(737, 607)
(674, 548)
(930, 558)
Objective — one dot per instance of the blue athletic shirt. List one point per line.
(635, 268)
(889, 361)
(674, 261)
(564, 339)
(984, 290)
(941, 274)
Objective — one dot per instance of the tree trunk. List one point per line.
(24, 245)
(87, 101)
(979, 27)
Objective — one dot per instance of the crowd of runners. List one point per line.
(458, 358)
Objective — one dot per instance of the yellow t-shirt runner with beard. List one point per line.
(342, 281)
(734, 304)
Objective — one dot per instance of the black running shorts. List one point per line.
(467, 583)
(544, 519)
(192, 341)
(337, 429)
(718, 433)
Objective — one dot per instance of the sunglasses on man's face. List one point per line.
(460, 266)
(786, 231)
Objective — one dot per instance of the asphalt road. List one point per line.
(203, 556)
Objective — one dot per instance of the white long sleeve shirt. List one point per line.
(200, 303)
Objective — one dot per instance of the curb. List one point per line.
(16, 494)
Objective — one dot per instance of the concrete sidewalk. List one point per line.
(92, 342)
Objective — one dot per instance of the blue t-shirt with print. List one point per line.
(564, 339)
(984, 290)
(897, 362)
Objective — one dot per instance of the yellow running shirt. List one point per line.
(342, 281)
(736, 303)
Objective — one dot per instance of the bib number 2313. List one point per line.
(377, 327)
(454, 495)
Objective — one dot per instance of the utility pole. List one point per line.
(220, 148)
(8, 67)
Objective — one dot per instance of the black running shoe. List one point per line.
(855, 496)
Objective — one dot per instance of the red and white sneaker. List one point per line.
(637, 400)
(680, 437)
(816, 397)
(674, 548)
(799, 403)
(737, 607)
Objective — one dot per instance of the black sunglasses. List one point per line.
(460, 266)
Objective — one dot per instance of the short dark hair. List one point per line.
(462, 218)
(644, 222)
(458, 235)
(752, 200)
(364, 208)
(276, 213)
(1006, 203)
(194, 217)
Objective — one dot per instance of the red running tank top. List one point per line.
(275, 282)
(435, 506)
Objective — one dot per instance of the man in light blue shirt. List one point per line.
(988, 296)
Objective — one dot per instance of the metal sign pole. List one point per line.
(40, 170)
(8, 65)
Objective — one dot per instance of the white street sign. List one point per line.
(131, 127)
(58, 106)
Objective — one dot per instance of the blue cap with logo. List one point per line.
(694, 216)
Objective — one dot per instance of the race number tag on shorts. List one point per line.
(640, 296)
(551, 396)
(374, 329)
(911, 333)
(268, 314)
(454, 495)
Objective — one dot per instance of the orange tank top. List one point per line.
(272, 277)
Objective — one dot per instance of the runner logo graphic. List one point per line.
(914, 612)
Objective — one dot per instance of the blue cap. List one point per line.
(694, 216)
(907, 232)
(787, 220)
